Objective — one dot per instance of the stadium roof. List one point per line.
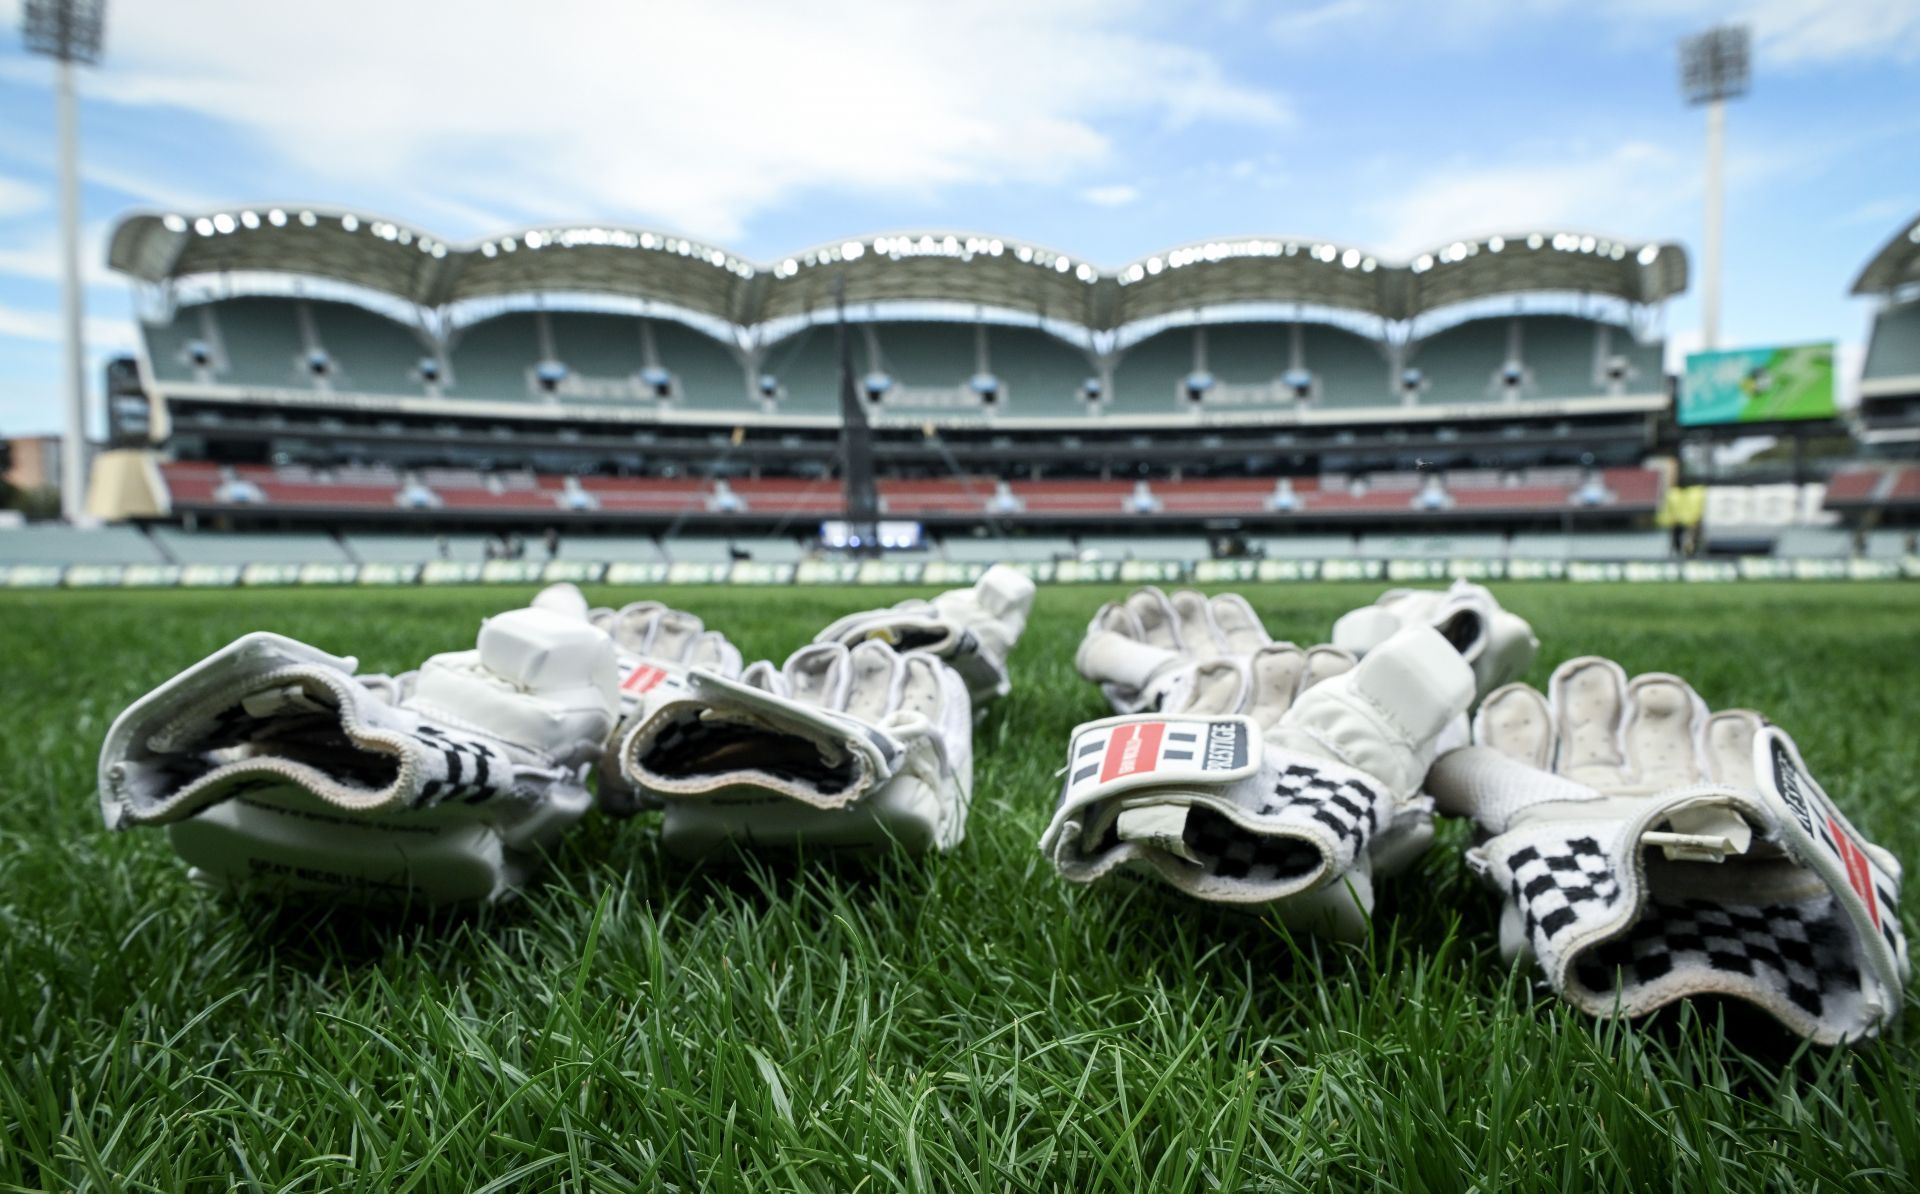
(1897, 263)
(989, 271)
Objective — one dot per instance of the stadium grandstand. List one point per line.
(328, 390)
(651, 399)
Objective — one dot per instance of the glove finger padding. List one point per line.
(656, 647)
(1648, 851)
(1297, 814)
(860, 748)
(973, 630)
(272, 764)
(1152, 652)
(1499, 645)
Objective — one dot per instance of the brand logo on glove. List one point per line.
(1226, 747)
(1795, 787)
(1134, 748)
(644, 678)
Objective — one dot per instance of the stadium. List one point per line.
(594, 708)
(1247, 408)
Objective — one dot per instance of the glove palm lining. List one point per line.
(697, 746)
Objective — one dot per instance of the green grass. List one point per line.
(963, 1022)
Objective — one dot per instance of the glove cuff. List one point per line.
(275, 718)
(1802, 922)
(731, 739)
(1205, 805)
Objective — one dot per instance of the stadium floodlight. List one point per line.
(1715, 67)
(69, 32)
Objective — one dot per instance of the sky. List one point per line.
(1104, 128)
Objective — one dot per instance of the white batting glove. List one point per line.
(655, 647)
(1146, 653)
(1649, 850)
(1499, 645)
(1295, 803)
(972, 630)
(843, 748)
(272, 765)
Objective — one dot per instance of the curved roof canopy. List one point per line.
(1897, 263)
(907, 267)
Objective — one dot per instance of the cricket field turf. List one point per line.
(964, 1022)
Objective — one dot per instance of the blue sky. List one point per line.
(1107, 128)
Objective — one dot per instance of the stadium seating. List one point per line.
(1147, 378)
(1043, 374)
(1431, 547)
(1894, 347)
(283, 547)
(1135, 547)
(806, 364)
(990, 549)
(265, 344)
(706, 372)
(415, 549)
(1348, 369)
(369, 353)
(1560, 356)
(69, 545)
(493, 359)
(1814, 543)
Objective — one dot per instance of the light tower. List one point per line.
(1714, 69)
(69, 32)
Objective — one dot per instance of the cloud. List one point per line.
(18, 197)
(103, 334)
(699, 114)
(38, 259)
(1117, 194)
(1631, 190)
(1789, 33)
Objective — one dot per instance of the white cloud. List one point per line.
(1816, 32)
(1631, 190)
(103, 334)
(695, 113)
(1117, 194)
(1786, 32)
(18, 197)
(38, 259)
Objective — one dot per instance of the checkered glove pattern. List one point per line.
(1648, 850)
(1281, 779)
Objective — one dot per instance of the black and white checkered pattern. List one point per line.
(1348, 807)
(1231, 852)
(460, 769)
(1557, 884)
(1802, 952)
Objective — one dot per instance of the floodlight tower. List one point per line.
(69, 32)
(1714, 68)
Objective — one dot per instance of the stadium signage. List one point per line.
(1758, 385)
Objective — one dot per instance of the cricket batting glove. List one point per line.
(1498, 645)
(1288, 781)
(272, 765)
(861, 747)
(655, 647)
(1649, 850)
(972, 630)
(1152, 652)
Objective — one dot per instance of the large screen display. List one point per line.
(1758, 385)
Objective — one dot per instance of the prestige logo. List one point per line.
(1226, 746)
(1786, 780)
